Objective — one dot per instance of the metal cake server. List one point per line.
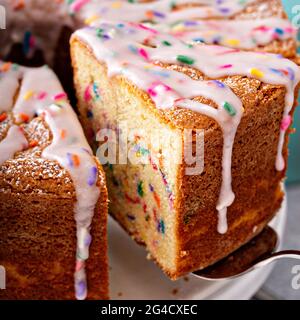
(259, 252)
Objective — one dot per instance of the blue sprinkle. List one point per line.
(96, 91)
(198, 40)
(93, 176)
(191, 23)
(89, 114)
(80, 290)
(69, 158)
(224, 10)
(161, 226)
(276, 71)
(132, 48)
(219, 83)
(279, 31)
(159, 14)
(291, 73)
(130, 217)
(26, 42)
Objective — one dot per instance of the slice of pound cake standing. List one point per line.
(205, 130)
(53, 198)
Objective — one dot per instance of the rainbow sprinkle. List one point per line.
(185, 59)
(93, 176)
(256, 73)
(229, 108)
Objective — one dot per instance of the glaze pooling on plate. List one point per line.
(40, 94)
(122, 47)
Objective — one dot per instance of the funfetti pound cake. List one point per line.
(132, 80)
(53, 198)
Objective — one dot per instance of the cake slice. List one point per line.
(53, 197)
(205, 129)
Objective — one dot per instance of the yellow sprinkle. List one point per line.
(91, 19)
(232, 42)
(116, 5)
(256, 73)
(178, 27)
(28, 95)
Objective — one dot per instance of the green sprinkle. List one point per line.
(166, 43)
(140, 189)
(99, 32)
(131, 1)
(190, 45)
(185, 59)
(229, 108)
(144, 151)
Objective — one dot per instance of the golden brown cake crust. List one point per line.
(38, 228)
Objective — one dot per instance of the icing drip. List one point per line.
(41, 94)
(13, 142)
(121, 47)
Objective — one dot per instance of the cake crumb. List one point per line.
(186, 279)
(120, 294)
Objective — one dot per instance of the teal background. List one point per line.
(294, 159)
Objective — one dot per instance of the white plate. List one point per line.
(132, 276)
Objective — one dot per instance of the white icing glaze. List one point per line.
(29, 23)
(41, 94)
(232, 33)
(158, 11)
(13, 142)
(121, 47)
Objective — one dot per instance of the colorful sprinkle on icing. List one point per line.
(257, 73)
(229, 108)
(185, 59)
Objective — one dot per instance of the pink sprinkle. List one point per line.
(143, 53)
(152, 92)
(289, 30)
(60, 96)
(262, 29)
(32, 42)
(285, 123)
(77, 4)
(147, 28)
(167, 88)
(42, 95)
(228, 52)
(87, 94)
(79, 265)
(226, 66)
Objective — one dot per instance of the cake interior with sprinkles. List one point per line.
(188, 215)
(53, 197)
